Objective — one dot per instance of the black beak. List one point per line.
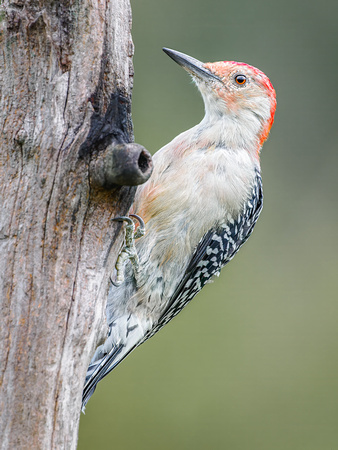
(191, 65)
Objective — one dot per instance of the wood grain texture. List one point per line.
(65, 90)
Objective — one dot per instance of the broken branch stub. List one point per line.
(121, 164)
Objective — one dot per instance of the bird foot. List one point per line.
(128, 251)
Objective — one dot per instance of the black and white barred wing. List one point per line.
(215, 250)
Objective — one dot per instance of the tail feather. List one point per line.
(98, 370)
(126, 333)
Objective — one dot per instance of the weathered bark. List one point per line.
(65, 85)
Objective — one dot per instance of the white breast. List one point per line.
(184, 203)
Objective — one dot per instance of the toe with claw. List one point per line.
(128, 251)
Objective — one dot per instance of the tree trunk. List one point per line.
(65, 92)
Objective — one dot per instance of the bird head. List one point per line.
(233, 90)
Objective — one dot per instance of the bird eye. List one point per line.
(240, 79)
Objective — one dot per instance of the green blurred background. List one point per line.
(251, 363)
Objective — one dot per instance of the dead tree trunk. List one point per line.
(65, 93)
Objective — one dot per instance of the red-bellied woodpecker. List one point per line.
(199, 206)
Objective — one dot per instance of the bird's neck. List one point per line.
(230, 131)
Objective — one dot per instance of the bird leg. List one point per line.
(128, 251)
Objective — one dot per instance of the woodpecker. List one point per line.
(199, 207)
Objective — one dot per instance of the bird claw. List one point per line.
(128, 251)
